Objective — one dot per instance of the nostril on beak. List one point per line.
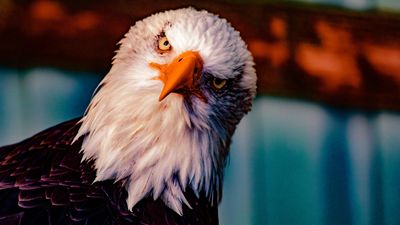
(180, 59)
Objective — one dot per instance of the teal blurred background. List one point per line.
(293, 162)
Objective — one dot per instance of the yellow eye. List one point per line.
(218, 83)
(163, 44)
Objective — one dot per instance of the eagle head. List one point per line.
(163, 117)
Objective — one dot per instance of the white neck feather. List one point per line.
(155, 146)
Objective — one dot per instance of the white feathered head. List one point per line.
(164, 115)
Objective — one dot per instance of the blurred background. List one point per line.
(322, 143)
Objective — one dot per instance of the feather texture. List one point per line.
(43, 180)
(164, 147)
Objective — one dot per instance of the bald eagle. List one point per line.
(153, 142)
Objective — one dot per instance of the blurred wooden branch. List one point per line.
(336, 56)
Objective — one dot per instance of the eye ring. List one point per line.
(218, 83)
(164, 45)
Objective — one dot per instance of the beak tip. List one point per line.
(162, 97)
(164, 93)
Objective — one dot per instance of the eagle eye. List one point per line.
(218, 83)
(164, 45)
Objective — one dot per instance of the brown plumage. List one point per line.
(42, 181)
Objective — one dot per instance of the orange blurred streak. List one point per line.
(52, 16)
(278, 28)
(86, 20)
(276, 52)
(334, 61)
(47, 11)
(385, 59)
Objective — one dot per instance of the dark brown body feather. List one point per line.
(43, 181)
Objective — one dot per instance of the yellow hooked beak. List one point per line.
(182, 72)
